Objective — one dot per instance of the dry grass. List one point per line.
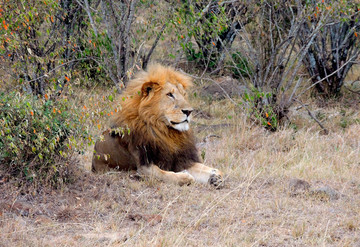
(254, 209)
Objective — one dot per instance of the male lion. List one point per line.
(151, 131)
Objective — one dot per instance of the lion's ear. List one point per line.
(148, 87)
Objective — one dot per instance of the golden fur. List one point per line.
(151, 131)
(140, 115)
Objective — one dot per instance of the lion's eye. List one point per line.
(170, 95)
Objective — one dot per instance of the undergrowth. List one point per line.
(37, 138)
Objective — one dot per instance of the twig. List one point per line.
(111, 35)
(146, 61)
(57, 67)
(326, 230)
(299, 107)
(110, 74)
(188, 37)
(127, 39)
(88, 12)
(313, 117)
(357, 92)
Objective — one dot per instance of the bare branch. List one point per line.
(88, 12)
(146, 60)
(356, 92)
(111, 35)
(313, 117)
(203, 12)
(314, 84)
(127, 32)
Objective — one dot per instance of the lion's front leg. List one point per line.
(205, 174)
(154, 171)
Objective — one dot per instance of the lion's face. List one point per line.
(175, 106)
(167, 105)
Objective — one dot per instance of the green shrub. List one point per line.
(260, 110)
(212, 25)
(240, 66)
(35, 138)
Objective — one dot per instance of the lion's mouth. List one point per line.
(174, 123)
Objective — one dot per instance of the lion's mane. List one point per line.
(168, 148)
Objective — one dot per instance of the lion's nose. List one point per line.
(187, 112)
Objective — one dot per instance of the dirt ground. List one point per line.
(294, 187)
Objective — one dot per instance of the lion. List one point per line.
(151, 132)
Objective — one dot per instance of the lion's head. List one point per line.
(165, 103)
(156, 102)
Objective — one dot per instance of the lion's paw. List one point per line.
(185, 178)
(216, 179)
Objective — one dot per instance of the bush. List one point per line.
(39, 41)
(212, 25)
(240, 66)
(35, 138)
(335, 49)
(261, 112)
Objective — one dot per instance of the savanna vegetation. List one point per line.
(276, 101)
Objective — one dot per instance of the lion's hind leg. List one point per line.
(153, 171)
(205, 174)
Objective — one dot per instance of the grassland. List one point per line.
(258, 206)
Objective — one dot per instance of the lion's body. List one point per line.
(120, 155)
(151, 131)
(113, 154)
